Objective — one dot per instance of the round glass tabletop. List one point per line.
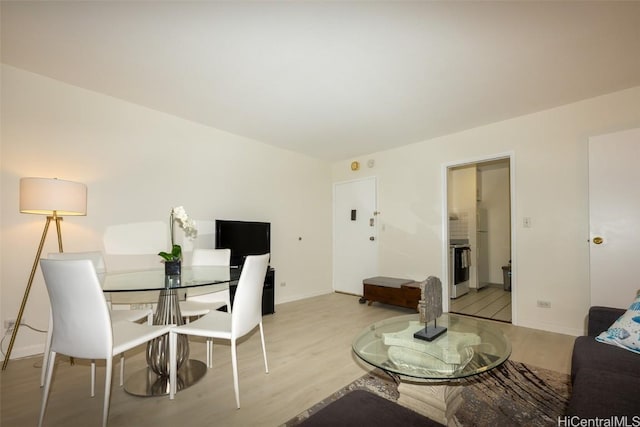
(468, 347)
(214, 277)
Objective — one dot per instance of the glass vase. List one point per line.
(172, 268)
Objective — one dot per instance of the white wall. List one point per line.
(550, 176)
(138, 164)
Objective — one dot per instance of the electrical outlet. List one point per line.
(9, 324)
(544, 304)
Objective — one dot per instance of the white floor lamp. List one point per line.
(54, 198)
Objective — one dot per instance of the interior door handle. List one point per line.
(598, 240)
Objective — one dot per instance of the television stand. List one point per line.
(268, 292)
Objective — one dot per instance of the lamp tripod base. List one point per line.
(14, 333)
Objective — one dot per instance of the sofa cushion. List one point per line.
(604, 394)
(591, 354)
(600, 318)
(625, 332)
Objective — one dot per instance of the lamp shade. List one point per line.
(44, 196)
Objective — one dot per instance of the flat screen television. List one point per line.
(243, 238)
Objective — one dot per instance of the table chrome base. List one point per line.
(147, 383)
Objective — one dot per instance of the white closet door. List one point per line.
(614, 216)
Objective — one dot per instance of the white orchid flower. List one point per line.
(179, 215)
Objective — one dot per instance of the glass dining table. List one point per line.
(154, 380)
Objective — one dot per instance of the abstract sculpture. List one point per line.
(430, 308)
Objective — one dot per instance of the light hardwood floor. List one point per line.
(491, 302)
(309, 349)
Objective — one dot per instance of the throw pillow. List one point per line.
(625, 332)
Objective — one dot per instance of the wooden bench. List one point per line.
(391, 290)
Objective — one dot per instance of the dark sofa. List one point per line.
(605, 378)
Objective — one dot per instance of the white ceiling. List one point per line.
(332, 79)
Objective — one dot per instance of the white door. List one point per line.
(614, 215)
(355, 237)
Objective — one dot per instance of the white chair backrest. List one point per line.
(81, 320)
(95, 257)
(211, 257)
(247, 303)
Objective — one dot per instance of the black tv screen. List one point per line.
(243, 238)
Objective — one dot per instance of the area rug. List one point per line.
(514, 394)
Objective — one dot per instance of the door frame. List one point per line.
(445, 224)
(333, 225)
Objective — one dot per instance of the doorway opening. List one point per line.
(479, 227)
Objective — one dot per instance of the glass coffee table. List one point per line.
(428, 372)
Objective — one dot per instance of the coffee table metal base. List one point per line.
(147, 383)
(438, 401)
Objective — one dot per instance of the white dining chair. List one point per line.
(198, 301)
(85, 330)
(246, 315)
(99, 264)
